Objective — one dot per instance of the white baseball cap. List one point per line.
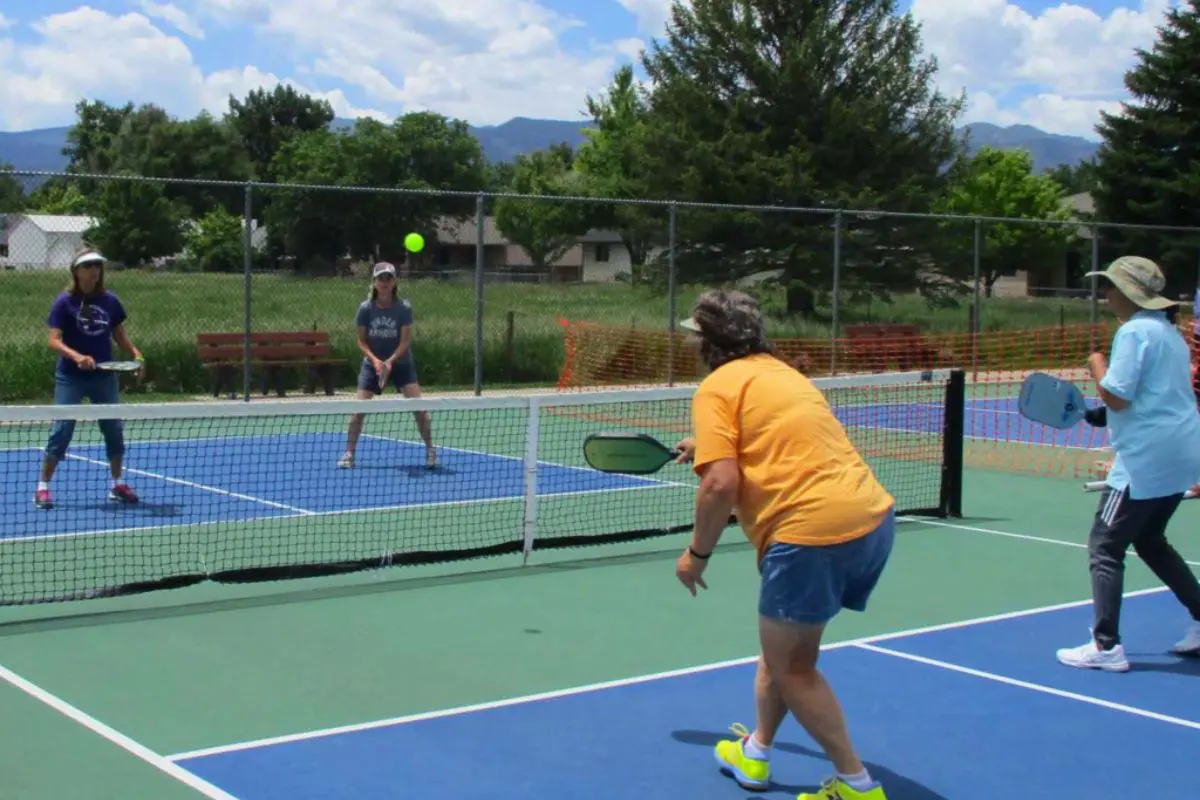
(384, 268)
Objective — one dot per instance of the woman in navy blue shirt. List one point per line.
(84, 322)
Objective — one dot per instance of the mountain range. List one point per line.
(42, 149)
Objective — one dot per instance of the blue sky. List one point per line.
(1053, 65)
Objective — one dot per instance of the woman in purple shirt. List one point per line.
(84, 322)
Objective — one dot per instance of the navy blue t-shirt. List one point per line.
(87, 325)
(383, 327)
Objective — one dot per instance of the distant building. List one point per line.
(42, 241)
(596, 257)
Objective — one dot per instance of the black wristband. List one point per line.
(701, 556)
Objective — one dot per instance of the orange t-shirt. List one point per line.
(802, 480)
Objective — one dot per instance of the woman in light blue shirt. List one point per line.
(1154, 429)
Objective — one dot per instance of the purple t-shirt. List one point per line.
(87, 325)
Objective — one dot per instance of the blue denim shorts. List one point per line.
(811, 584)
(402, 374)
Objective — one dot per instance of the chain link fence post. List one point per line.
(671, 294)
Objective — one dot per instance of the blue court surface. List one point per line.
(240, 478)
(995, 419)
(978, 710)
(243, 478)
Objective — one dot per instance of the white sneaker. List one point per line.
(1190, 644)
(1089, 656)
(346, 462)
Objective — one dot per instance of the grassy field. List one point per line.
(167, 310)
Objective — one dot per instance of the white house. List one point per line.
(597, 256)
(43, 241)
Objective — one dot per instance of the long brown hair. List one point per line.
(73, 287)
(395, 287)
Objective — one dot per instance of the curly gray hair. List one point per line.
(730, 326)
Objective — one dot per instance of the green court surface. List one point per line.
(173, 672)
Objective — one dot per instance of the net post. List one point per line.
(953, 440)
(529, 521)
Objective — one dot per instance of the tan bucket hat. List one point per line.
(1139, 279)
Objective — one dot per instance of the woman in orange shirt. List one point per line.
(768, 444)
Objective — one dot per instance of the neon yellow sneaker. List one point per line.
(838, 789)
(750, 773)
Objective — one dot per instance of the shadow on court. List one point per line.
(397, 580)
(411, 470)
(897, 786)
(135, 510)
(1178, 665)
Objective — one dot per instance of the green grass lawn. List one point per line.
(168, 309)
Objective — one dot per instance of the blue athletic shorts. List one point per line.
(809, 584)
(402, 374)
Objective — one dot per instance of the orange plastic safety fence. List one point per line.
(997, 437)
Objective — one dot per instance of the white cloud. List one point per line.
(88, 53)
(481, 60)
(1064, 64)
(173, 15)
(489, 60)
(651, 15)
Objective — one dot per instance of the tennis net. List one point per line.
(241, 492)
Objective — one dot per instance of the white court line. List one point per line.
(130, 746)
(1024, 537)
(201, 486)
(1036, 687)
(616, 684)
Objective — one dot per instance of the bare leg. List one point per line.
(355, 430)
(790, 651)
(424, 425)
(770, 710)
(49, 464)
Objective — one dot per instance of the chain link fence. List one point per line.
(503, 278)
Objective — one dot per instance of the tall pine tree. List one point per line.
(1148, 166)
(823, 103)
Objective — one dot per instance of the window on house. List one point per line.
(602, 252)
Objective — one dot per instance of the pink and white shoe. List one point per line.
(122, 493)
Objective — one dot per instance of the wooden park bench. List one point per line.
(272, 353)
(883, 347)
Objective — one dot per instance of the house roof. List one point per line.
(57, 223)
(462, 231)
(456, 231)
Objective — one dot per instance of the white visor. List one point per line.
(89, 257)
